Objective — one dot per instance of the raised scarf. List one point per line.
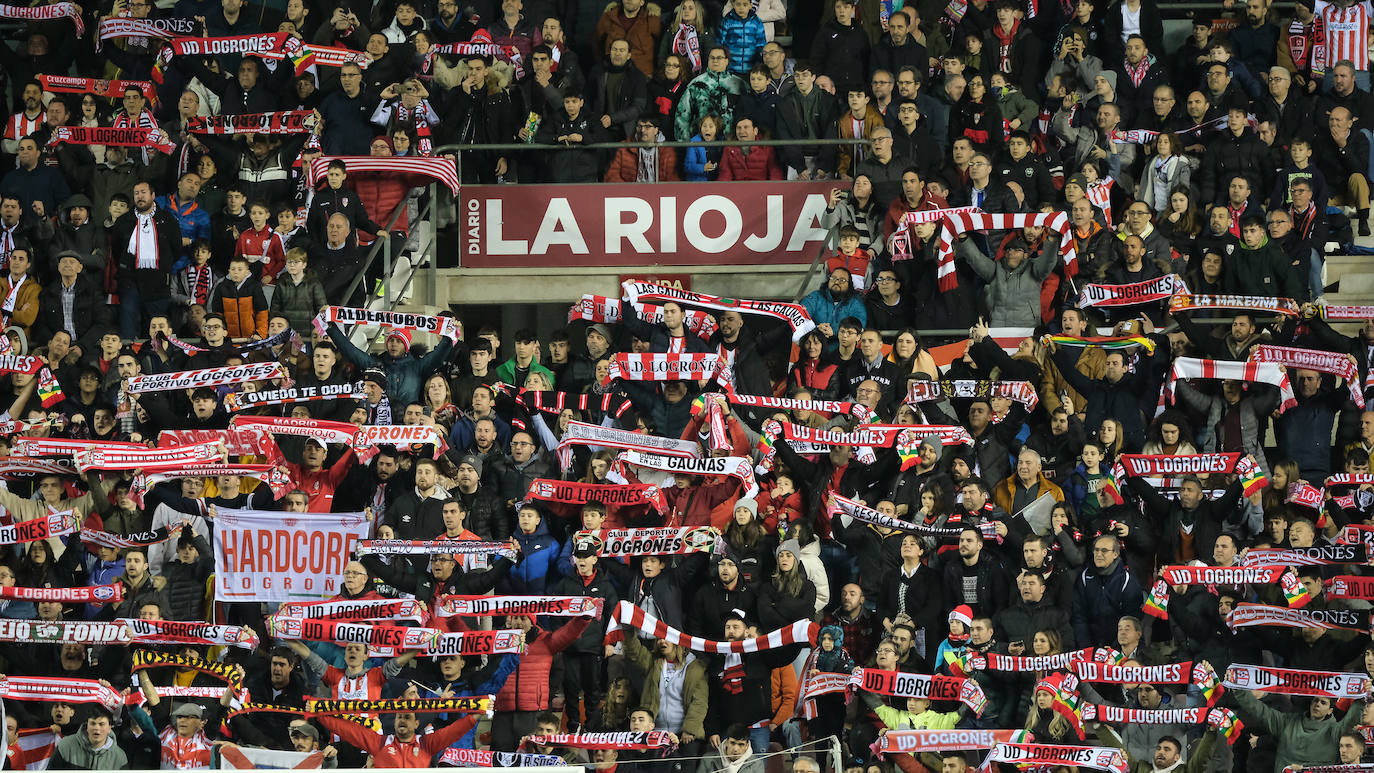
(208, 377)
(800, 632)
(1264, 615)
(1287, 681)
(355, 610)
(279, 122)
(1188, 302)
(1262, 372)
(956, 223)
(1038, 755)
(599, 308)
(46, 13)
(1134, 294)
(90, 594)
(540, 606)
(735, 466)
(189, 632)
(447, 327)
(51, 525)
(685, 42)
(575, 493)
(1340, 365)
(625, 741)
(580, 433)
(656, 541)
(905, 685)
(1022, 392)
(133, 459)
(795, 315)
(121, 136)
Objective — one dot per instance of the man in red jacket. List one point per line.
(747, 163)
(403, 748)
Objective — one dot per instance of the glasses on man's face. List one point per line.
(521, 444)
(979, 163)
(1103, 551)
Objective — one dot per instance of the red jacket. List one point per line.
(758, 164)
(387, 752)
(624, 167)
(528, 688)
(381, 193)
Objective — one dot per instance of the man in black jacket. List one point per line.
(1017, 624)
(72, 303)
(806, 112)
(741, 685)
(840, 49)
(146, 242)
(726, 591)
(618, 92)
(976, 578)
(582, 671)
(1343, 156)
(281, 685)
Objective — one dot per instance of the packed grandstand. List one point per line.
(255, 513)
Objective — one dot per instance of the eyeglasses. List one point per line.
(979, 163)
(1103, 551)
(885, 279)
(521, 444)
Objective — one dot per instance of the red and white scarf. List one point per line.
(1340, 365)
(655, 541)
(906, 685)
(133, 459)
(1040, 755)
(46, 13)
(280, 122)
(800, 632)
(599, 308)
(665, 366)
(270, 474)
(1164, 465)
(917, 741)
(468, 758)
(1022, 392)
(88, 594)
(110, 89)
(189, 632)
(582, 434)
(56, 446)
(322, 430)
(51, 525)
(447, 327)
(356, 610)
(377, 637)
(1262, 372)
(857, 410)
(63, 632)
(686, 43)
(1287, 681)
(468, 643)
(505, 606)
(207, 377)
(18, 467)
(127, 137)
(20, 363)
(957, 223)
(575, 493)
(1345, 313)
(1136, 293)
(242, 401)
(793, 314)
(626, 741)
(1099, 194)
(1132, 137)
(1261, 303)
(444, 170)
(54, 689)
(1222, 575)
(1348, 586)
(1064, 661)
(735, 466)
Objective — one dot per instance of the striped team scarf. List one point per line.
(225, 672)
(1119, 715)
(583, 434)
(1287, 681)
(322, 430)
(121, 27)
(1039, 755)
(1262, 372)
(857, 410)
(917, 741)
(19, 467)
(144, 539)
(377, 637)
(555, 402)
(575, 493)
(189, 632)
(1022, 392)
(242, 401)
(838, 505)
(715, 434)
(270, 474)
(467, 704)
(1267, 616)
(1345, 313)
(448, 327)
(863, 436)
(52, 525)
(735, 466)
(1348, 586)
(900, 240)
(468, 758)
(89, 594)
(625, 741)
(1165, 465)
(355, 610)
(1100, 672)
(909, 443)
(599, 308)
(279, 122)
(1189, 302)
(100, 87)
(1133, 136)
(207, 377)
(962, 222)
(800, 632)
(1359, 767)
(815, 685)
(1133, 294)
(55, 446)
(46, 13)
(654, 541)
(63, 632)
(1317, 555)
(443, 170)
(1339, 365)
(667, 366)
(433, 547)
(52, 689)
(271, 44)
(505, 606)
(133, 459)
(1105, 342)
(20, 363)
(120, 136)
(906, 685)
(794, 314)
(1099, 194)
(992, 661)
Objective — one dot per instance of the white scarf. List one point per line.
(13, 297)
(143, 242)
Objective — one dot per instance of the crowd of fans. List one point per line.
(1230, 162)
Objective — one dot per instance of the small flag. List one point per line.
(49, 391)
(1227, 723)
(1293, 590)
(1207, 682)
(1157, 603)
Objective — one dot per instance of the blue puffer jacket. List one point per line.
(823, 308)
(539, 554)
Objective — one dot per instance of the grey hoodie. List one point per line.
(76, 752)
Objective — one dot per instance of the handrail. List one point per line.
(377, 246)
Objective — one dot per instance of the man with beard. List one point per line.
(675, 687)
(741, 685)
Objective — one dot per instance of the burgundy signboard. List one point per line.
(677, 224)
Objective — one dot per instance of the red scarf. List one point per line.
(1004, 39)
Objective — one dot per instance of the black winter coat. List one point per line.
(1100, 600)
(590, 642)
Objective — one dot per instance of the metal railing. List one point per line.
(383, 246)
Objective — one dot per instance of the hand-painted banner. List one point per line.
(273, 556)
(653, 541)
(1287, 681)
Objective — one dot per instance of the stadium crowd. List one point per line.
(1142, 527)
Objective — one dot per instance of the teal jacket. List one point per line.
(405, 375)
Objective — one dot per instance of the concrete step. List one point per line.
(1354, 283)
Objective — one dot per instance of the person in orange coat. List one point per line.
(239, 299)
(749, 163)
(644, 165)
